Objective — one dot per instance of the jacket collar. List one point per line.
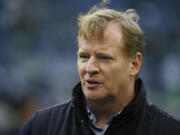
(136, 107)
(131, 111)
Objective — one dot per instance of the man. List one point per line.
(110, 99)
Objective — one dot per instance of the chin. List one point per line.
(92, 96)
(99, 98)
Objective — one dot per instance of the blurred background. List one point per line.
(38, 54)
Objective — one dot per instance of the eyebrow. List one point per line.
(82, 52)
(104, 54)
(97, 54)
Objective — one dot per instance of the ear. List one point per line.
(136, 63)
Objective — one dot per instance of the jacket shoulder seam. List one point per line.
(60, 105)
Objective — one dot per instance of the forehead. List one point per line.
(112, 38)
(113, 33)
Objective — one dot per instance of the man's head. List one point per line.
(110, 48)
(96, 20)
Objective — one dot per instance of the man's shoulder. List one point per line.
(56, 108)
(163, 121)
(156, 111)
(44, 117)
(54, 113)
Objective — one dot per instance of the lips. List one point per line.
(92, 83)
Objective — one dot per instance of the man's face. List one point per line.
(103, 68)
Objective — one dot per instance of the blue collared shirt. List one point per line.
(97, 130)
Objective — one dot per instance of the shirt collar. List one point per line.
(92, 117)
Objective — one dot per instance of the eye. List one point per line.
(105, 58)
(83, 56)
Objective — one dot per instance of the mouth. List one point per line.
(91, 83)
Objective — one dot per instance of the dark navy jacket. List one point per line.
(71, 118)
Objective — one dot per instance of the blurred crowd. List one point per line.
(38, 54)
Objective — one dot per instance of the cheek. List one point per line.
(110, 75)
(115, 74)
(81, 68)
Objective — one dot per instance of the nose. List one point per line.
(92, 66)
